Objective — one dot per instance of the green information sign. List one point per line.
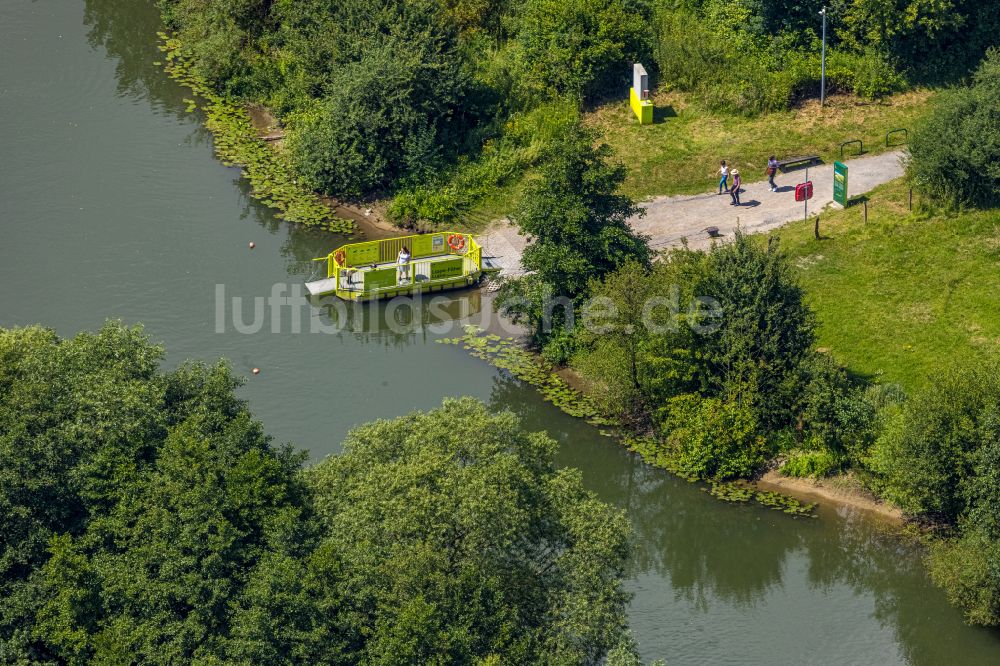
(446, 269)
(381, 278)
(840, 183)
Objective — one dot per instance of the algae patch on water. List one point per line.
(742, 493)
(237, 144)
(505, 354)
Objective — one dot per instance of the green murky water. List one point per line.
(114, 207)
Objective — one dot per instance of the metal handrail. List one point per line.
(471, 264)
(900, 129)
(861, 146)
(473, 249)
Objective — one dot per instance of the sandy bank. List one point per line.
(843, 491)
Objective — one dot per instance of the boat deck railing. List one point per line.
(369, 268)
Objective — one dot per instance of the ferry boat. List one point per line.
(438, 261)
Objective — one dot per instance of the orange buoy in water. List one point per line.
(256, 371)
(252, 245)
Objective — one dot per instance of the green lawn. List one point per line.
(907, 295)
(680, 152)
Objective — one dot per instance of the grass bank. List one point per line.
(680, 152)
(907, 295)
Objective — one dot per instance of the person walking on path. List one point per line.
(724, 180)
(772, 169)
(734, 191)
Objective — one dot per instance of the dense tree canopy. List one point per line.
(371, 90)
(146, 517)
(939, 460)
(135, 505)
(715, 348)
(581, 47)
(929, 452)
(461, 541)
(576, 219)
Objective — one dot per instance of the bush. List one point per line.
(765, 329)
(525, 139)
(731, 67)
(813, 464)
(633, 356)
(968, 568)
(955, 153)
(579, 227)
(730, 327)
(385, 118)
(837, 415)
(933, 41)
(875, 76)
(220, 36)
(926, 456)
(559, 348)
(737, 59)
(713, 439)
(583, 48)
(605, 366)
(438, 205)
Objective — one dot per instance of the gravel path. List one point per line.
(667, 220)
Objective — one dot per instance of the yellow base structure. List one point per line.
(643, 108)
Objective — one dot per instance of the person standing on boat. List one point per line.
(403, 265)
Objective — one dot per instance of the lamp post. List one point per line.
(822, 76)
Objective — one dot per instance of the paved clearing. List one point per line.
(669, 219)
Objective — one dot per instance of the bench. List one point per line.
(804, 159)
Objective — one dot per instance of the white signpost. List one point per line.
(639, 95)
(640, 81)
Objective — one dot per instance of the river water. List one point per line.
(113, 206)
